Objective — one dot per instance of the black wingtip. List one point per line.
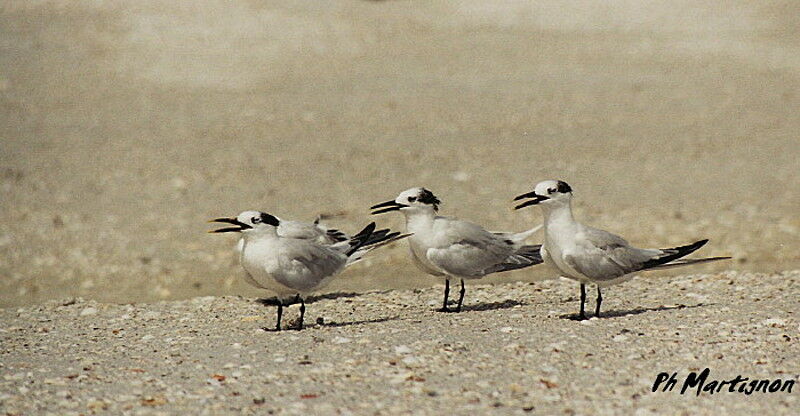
(336, 235)
(365, 231)
(380, 235)
(690, 248)
(674, 253)
(358, 240)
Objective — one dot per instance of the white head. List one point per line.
(410, 201)
(249, 222)
(547, 194)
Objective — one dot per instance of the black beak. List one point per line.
(387, 206)
(241, 226)
(532, 194)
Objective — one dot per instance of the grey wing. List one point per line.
(601, 255)
(323, 261)
(524, 257)
(465, 258)
(471, 252)
(300, 230)
(308, 265)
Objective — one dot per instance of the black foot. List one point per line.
(599, 302)
(302, 312)
(461, 296)
(446, 294)
(280, 315)
(582, 314)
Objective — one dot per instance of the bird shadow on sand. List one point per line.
(361, 322)
(292, 326)
(616, 313)
(310, 299)
(491, 306)
(315, 298)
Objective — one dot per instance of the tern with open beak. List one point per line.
(456, 249)
(589, 255)
(293, 266)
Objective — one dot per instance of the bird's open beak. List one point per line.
(387, 206)
(241, 226)
(532, 194)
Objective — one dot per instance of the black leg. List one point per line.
(302, 312)
(583, 302)
(599, 301)
(280, 314)
(446, 295)
(461, 296)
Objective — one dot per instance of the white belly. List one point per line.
(553, 255)
(266, 269)
(267, 282)
(419, 254)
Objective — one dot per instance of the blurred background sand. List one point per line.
(124, 126)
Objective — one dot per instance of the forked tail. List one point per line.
(526, 256)
(669, 254)
(517, 238)
(357, 241)
(368, 239)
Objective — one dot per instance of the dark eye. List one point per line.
(255, 220)
(412, 199)
(551, 190)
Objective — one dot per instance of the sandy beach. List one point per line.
(515, 350)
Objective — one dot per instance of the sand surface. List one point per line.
(514, 350)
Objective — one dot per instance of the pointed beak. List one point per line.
(387, 206)
(240, 225)
(536, 199)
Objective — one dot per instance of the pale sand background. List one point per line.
(513, 350)
(124, 126)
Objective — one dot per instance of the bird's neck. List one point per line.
(419, 219)
(558, 215)
(264, 233)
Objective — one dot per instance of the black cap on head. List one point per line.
(427, 197)
(563, 187)
(268, 219)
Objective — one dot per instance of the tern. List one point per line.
(455, 249)
(295, 266)
(590, 255)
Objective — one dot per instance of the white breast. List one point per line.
(258, 258)
(419, 254)
(560, 241)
